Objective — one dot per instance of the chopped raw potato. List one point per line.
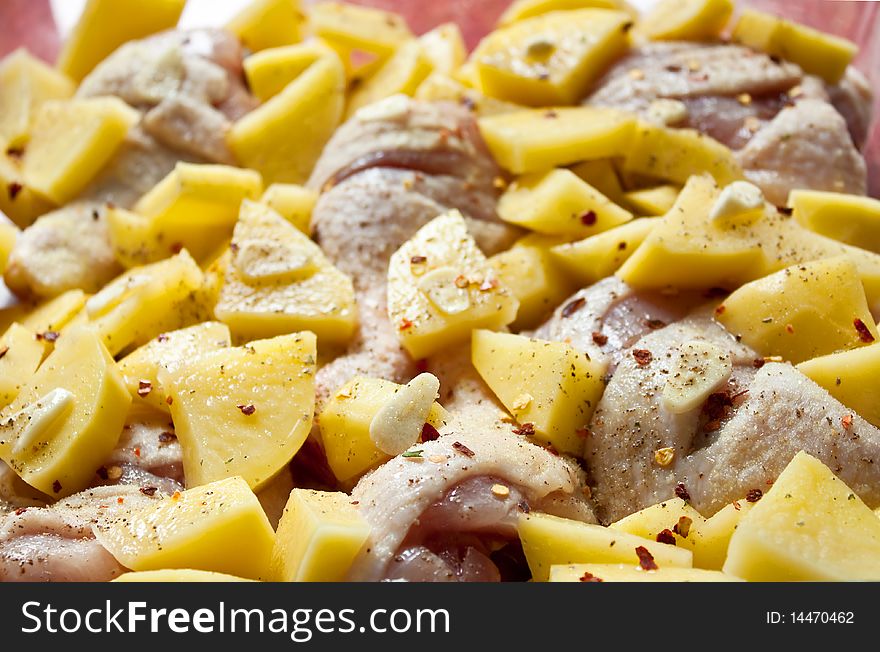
(22, 353)
(550, 388)
(145, 301)
(559, 203)
(193, 207)
(712, 536)
(266, 24)
(8, 235)
(170, 351)
(729, 253)
(441, 287)
(652, 201)
(549, 541)
(851, 377)
(520, 9)
(19, 202)
(551, 59)
(536, 140)
(677, 520)
(71, 140)
(319, 535)
(598, 256)
(686, 20)
(816, 52)
(677, 154)
(631, 573)
(178, 575)
(851, 219)
(402, 73)
(25, 83)
(104, 25)
(278, 281)
(439, 87)
(359, 28)
(269, 71)
(243, 411)
(345, 426)
(700, 370)
(293, 203)
(219, 527)
(67, 416)
(444, 47)
(53, 315)
(809, 527)
(602, 176)
(283, 138)
(801, 312)
(533, 277)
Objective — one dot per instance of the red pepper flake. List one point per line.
(48, 336)
(646, 559)
(754, 495)
(720, 310)
(550, 115)
(785, 210)
(163, 337)
(120, 500)
(247, 410)
(682, 492)
(573, 306)
(144, 388)
(56, 486)
(14, 188)
(864, 333)
(846, 421)
(405, 324)
(588, 218)
(137, 451)
(489, 284)
(429, 433)
(583, 433)
(789, 329)
(589, 577)
(643, 357)
(655, 324)
(169, 400)
(599, 339)
(683, 527)
(167, 437)
(418, 260)
(15, 152)
(736, 505)
(757, 363)
(461, 448)
(526, 430)
(4, 351)
(20, 511)
(176, 247)
(666, 536)
(149, 491)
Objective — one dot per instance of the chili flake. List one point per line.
(583, 433)
(429, 432)
(646, 559)
(461, 448)
(588, 218)
(682, 492)
(757, 363)
(754, 495)
(526, 430)
(599, 339)
(846, 421)
(56, 486)
(643, 357)
(48, 336)
(247, 410)
(405, 324)
(144, 388)
(666, 536)
(14, 188)
(524, 507)
(864, 334)
(4, 351)
(655, 324)
(589, 577)
(784, 210)
(573, 306)
(149, 491)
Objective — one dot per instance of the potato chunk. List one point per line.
(269, 71)
(802, 311)
(673, 517)
(8, 235)
(319, 535)
(551, 59)
(549, 385)
(686, 20)
(104, 25)
(266, 24)
(25, 84)
(169, 351)
(816, 52)
(292, 202)
(549, 541)
(439, 87)
(521, 9)
(540, 139)
(809, 527)
(19, 202)
(22, 353)
(631, 573)
(652, 201)
(850, 377)
(712, 536)
(440, 287)
(851, 219)
(444, 47)
(283, 138)
(401, 73)
(559, 203)
(345, 426)
(592, 259)
(71, 141)
(193, 207)
(145, 301)
(177, 575)
(278, 281)
(219, 527)
(601, 174)
(243, 411)
(353, 28)
(67, 417)
(54, 315)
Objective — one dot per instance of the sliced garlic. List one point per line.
(440, 286)
(114, 294)
(40, 418)
(399, 422)
(739, 198)
(268, 260)
(700, 370)
(667, 112)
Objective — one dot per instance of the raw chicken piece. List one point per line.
(438, 518)
(40, 544)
